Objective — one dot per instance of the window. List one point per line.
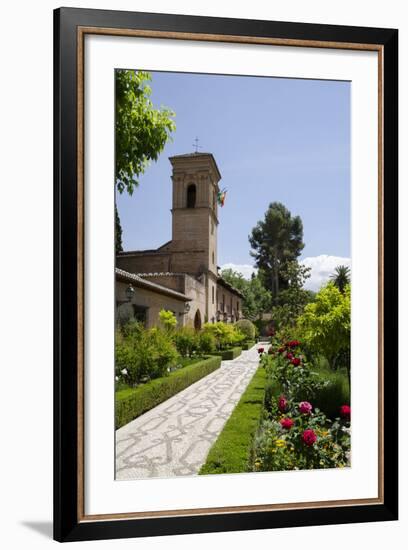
(191, 196)
(212, 227)
(212, 288)
(140, 314)
(213, 258)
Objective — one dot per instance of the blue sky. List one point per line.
(273, 139)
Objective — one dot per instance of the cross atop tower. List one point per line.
(195, 144)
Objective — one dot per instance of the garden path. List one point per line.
(174, 438)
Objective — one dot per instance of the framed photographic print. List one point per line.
(225, 274)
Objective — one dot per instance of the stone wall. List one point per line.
(229, 304)
(151, 300)
(144, 262)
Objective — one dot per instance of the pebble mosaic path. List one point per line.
(174, 438)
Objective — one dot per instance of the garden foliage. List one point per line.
(325, 325)
(225, 335)
(247, 328)
(295, 433)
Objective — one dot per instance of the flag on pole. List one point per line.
(221, 197)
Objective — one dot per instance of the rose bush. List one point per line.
(296, 440)
(294, 434)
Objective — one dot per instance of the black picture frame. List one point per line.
(67, 523)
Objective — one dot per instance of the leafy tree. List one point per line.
(141, 130)
(257, 299)
(293, 299)
(325, 325)
(341, 277)
(276, 240)
(118, 232)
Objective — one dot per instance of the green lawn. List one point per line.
(231, 453)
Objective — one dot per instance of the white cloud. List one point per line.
(323, 267)
(245, 269)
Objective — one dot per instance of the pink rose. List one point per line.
(305, 407)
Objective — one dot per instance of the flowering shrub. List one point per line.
(301, 438)
(287, 365)
(294, 434)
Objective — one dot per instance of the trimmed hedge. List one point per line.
(232, 451)
(228, 354)
(248, 345)
(133, 402)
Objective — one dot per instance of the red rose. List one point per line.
(293, 343)
(305, 407)
(282, 403)
(345, 412)
(286, 423)
(309, 437)
(261, 350)
(281, 350)
(295, 361)
(289, 356)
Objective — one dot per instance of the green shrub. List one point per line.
(272, 390)
(140, 353)
(330, 398)
(186, 340)
(226, 335)
(231, 452)
(206, 342)
(133, 402)
(167, 319)
(247, 328)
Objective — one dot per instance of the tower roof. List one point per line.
(197, 156)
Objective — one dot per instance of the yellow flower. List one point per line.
(280, 443)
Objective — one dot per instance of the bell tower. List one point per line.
(194, 229)
(195, 180)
